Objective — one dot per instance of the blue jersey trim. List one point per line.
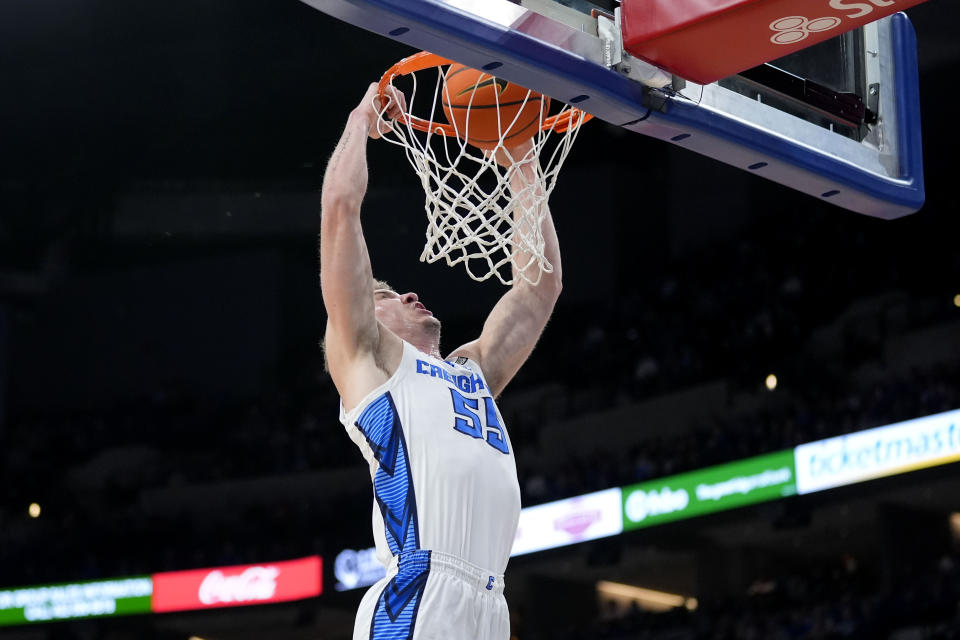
(395, 616)
(392, 483)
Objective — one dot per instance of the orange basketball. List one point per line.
(471, 100)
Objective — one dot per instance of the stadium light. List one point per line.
(648, 599)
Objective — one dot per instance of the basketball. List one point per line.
(471, 100)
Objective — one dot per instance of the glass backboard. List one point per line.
(839, 121)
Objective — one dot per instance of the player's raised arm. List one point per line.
(514, 325)
(345, 273)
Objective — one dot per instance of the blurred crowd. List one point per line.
(812, 412)
(730, 315)
(171, 445)
(835, 601)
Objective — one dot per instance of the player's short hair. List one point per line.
(382, 284)
(377, 285)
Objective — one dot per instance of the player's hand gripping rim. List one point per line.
(378, 115)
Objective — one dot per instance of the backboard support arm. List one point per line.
(881, 176)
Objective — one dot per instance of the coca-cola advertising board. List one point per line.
(237, 586)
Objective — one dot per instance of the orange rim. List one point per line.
(571, 118)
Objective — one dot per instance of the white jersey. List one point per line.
(443, 469)
(446, 502)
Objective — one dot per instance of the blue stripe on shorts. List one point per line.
(396, 612)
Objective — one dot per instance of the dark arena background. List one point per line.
(163, 406)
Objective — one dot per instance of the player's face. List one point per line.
(401, 312)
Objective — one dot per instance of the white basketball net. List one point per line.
(475, 216)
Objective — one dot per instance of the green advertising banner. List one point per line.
(76, 600)
(719, 488)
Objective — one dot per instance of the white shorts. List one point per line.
(428, 595)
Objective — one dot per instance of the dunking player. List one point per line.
(446, 497)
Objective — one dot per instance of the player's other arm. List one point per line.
(514, 325)
(345, 272)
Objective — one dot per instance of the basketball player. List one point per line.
(446, 496)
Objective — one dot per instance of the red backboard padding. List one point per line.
(706, 40)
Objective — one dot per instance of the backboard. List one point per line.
(838, 121)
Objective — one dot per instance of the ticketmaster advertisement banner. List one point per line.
(875, 453)
(76, 600)
(727, 486)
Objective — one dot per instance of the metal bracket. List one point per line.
(874, 129)
(611, 40)
(614, 56)
(656, 99)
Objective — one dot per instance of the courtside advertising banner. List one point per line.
(355, 569)
(545, 526)
(237, 586)
(100, 598)
(726, 486)
(555, 524)
(875, 453)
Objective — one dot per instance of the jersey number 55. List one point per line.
(467, 411)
